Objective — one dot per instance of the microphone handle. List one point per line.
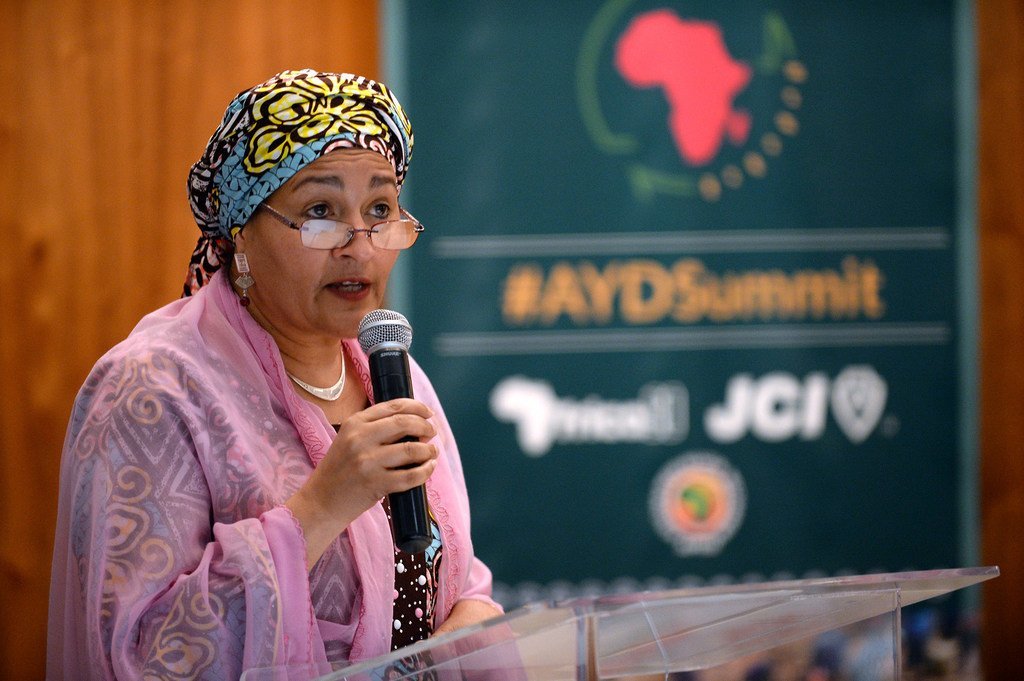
(410, 517)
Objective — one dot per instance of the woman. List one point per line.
(220, 510)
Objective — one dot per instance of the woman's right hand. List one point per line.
(365, 462)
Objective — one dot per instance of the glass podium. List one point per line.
(701, 633)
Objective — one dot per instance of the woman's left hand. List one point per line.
(466, 612)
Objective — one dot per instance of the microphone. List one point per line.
(385, 337)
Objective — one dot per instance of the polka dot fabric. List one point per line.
(415, 590)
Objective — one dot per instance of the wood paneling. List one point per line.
(105, 107)
(1000, 39)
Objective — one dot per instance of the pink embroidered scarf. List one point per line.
(174, 556)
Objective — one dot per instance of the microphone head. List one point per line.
(384, 328)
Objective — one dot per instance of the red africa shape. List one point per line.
(689, 61)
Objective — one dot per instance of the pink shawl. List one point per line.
(174, 556)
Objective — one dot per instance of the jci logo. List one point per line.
(725, 114)
(778, 406)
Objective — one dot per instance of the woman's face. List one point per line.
(304, 293)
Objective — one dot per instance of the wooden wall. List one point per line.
(1000, 38)
(106, 105)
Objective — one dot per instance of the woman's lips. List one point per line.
(350, 289)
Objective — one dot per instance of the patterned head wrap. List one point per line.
(272, 131)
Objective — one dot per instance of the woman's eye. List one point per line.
(319, 211)
(382, 211)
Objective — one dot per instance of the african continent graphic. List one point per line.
(689, 61)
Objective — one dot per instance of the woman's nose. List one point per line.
(358, 246)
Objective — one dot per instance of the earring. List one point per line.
(244, 280)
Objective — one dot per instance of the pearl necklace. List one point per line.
(330, 394)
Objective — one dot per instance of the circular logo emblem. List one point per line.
(692, 106)
(697, 502)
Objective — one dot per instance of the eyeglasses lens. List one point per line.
(395, 235)
(324, 234)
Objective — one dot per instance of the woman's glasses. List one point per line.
(392, 235)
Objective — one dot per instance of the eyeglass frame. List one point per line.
(418, 228)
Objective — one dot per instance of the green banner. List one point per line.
(689, 289)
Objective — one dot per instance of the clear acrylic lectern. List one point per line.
(655, 634)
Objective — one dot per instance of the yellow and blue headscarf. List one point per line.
(272, 131)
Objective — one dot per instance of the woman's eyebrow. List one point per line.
(381, 180)
(332, 180)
